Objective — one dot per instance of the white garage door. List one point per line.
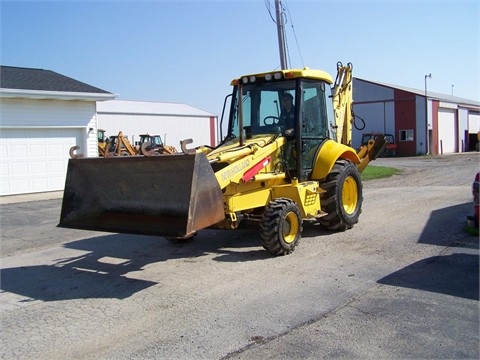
(473, 123)
(35, 160)
(446, 131)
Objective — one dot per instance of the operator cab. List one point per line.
(263, 111)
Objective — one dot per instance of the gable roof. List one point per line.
(430, 94)
(39, 83)
(150, 108)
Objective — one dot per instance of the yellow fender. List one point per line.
(328, 154)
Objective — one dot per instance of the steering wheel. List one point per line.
(275, 120)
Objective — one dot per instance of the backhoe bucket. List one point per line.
(166, 195)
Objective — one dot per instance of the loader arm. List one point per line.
(244, 162)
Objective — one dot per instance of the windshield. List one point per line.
(158, 141)
(266, 108)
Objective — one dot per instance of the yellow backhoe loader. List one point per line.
(119, 145)
(274, 166)
(102, 141)
(115, 145)
(151, 145)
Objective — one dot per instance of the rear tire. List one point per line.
(281, 226)
(342, 199)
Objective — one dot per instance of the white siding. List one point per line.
(446, 131)
(379, 117)
(366, 91)
(420, 126)
(23, 112)
(175, 128)
(91, 138)
(473, 123)
(378, 111)
(462, 128)
(176, 121)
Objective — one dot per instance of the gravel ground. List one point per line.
(403, 283)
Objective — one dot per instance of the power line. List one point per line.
(286, 17)
(269, 9)
(295, 36)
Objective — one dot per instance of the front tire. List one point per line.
(281, 226)
(342, 199)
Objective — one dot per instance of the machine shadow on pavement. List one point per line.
(447, 223)
(101, 268)
(455, 275)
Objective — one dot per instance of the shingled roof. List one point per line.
(42, 80)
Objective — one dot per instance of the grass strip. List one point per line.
(378, 172)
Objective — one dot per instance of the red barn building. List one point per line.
(432, 124)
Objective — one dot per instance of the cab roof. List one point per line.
(306, 73)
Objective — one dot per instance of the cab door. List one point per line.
(313, 122)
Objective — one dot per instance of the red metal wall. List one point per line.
(405, 119)
(213, 140)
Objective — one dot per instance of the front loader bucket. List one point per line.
(166, 195)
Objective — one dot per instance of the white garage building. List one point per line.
(42, 115)
(173, 122)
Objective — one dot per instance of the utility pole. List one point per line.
(281, 34)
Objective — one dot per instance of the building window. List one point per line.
(406, 135)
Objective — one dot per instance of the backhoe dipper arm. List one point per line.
(343, 113)
(342, 103)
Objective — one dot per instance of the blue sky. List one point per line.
(189, 51)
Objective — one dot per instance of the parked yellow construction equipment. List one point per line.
(102, 142)
(119, 145)
(151, 145)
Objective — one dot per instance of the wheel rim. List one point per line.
(350, 195)
(290, 227)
